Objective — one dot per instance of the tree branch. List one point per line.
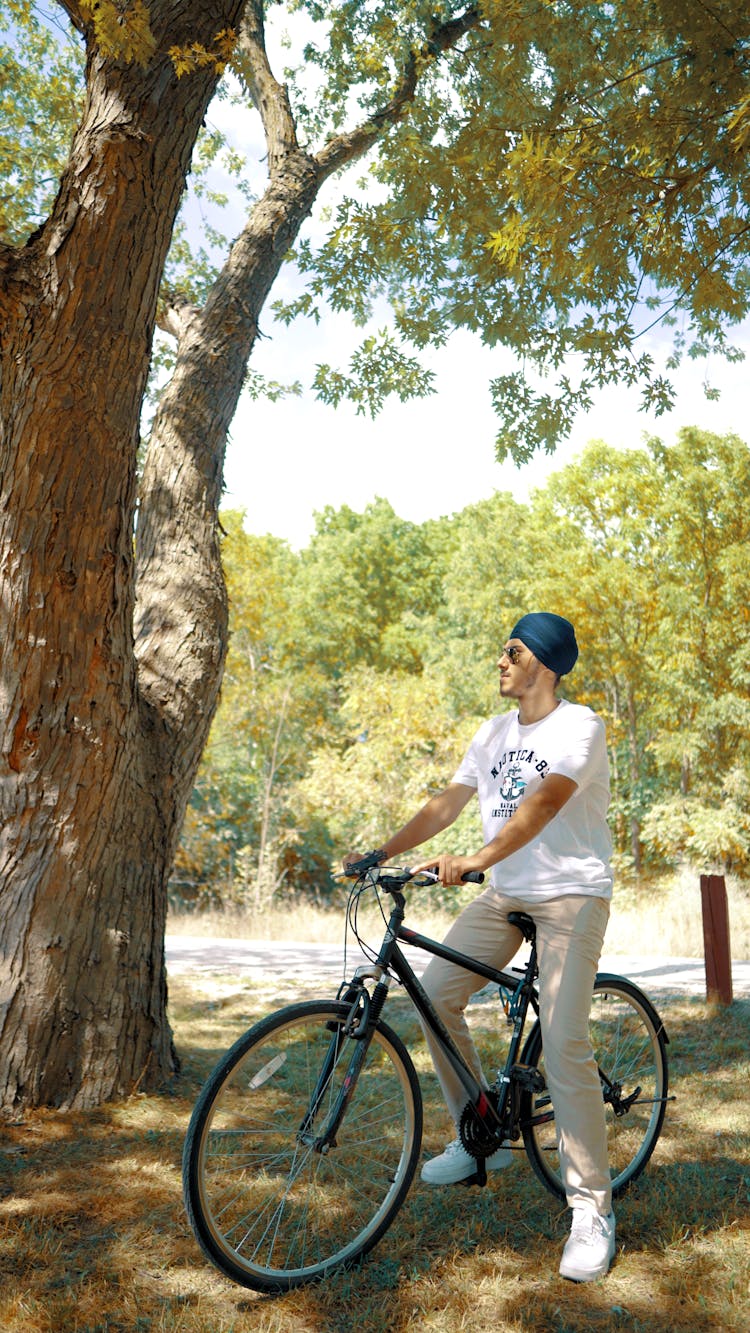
(73, 11)
(269, 96)
(175, 313)
(346, 147)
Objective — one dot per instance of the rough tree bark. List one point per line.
(113, 630)
(94, 778)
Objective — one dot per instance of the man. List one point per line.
(541, 775)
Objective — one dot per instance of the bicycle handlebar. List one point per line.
(398, 875)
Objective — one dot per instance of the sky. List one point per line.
(431, 456)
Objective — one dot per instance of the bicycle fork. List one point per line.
(358, 1026)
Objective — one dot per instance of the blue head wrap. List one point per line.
(551, 639)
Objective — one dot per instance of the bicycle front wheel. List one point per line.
(274, 1198)
(629, 1044)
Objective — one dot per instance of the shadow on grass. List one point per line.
(707, 1038)
(95, 1240)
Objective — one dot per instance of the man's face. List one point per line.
(519, 669)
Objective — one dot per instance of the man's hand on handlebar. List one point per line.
(451, 869)
(445, 869)
(361, 860)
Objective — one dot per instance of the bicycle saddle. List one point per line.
(525, 923)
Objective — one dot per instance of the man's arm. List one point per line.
(528, 821)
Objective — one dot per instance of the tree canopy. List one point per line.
(557, 177)
(570, 176)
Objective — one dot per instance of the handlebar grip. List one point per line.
(473, 877)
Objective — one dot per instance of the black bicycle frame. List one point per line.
(391, 958)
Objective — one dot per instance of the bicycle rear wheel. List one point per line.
(267, 1206)
(629, 1044)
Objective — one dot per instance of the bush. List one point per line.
(715, 836)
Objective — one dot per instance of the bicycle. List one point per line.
(304, 1140)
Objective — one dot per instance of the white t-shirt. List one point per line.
(507, 761)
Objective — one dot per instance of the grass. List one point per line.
(94, 1238)
(666, 914)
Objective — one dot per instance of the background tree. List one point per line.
(366, 584)
(702, 744)
(113, 654)
(597, 517)
(251, 748)
(41, 94)
(400, 744)
(646, 549)
(489, 556)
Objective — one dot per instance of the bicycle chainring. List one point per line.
(481, 1138)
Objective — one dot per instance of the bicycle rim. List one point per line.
(270, 1210)
(629, 1046)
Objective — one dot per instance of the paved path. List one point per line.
(196, 955)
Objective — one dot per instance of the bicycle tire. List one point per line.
(267, 1209)
(629, 1044)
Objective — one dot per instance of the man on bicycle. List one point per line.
(541, 775)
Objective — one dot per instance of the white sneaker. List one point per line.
(590, 1247)
(456, 1164)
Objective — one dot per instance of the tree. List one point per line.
(100, 738)
(241, 841)
(112, 661)
(242, 757)
(646, 550)
(400, 745)
(114, 632)
(703, 742)
(367, 582)
(41, 96)
(649, 555)
(596, 521)
(485, 561)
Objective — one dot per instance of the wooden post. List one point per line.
(716, 939)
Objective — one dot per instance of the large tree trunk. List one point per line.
(95, 772)
(112, 631)
(107, 698)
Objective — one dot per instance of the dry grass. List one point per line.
(666, 914)
(94, 1238)
(665, 918)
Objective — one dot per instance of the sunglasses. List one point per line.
(513, 654)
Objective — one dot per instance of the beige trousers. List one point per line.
(570, 932)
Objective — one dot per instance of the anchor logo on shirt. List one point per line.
(512, 785)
